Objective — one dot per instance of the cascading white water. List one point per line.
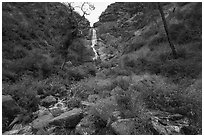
(94, 42)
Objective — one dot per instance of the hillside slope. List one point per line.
(133, 40)
(32, 30)
(33, 35)
(135, 87)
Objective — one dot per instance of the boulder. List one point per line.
(168, 124)
(49, 100)
(56, 111)
(11, 132)
(42, 132)
(9, 110)
(19, 129)
(123, 126)
(69, 119)
(42, 121)
(9, 105)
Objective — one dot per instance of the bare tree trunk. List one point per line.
(167, 32)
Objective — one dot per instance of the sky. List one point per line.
(94, 15)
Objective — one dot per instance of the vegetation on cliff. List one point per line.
(52, 86)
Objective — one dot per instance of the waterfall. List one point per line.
(94, 42)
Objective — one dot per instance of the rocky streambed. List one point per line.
(70, 116)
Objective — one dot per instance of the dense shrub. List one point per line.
(135, 46)
(34, 64)
(175, 31)
(73, 102)
(24, 93)
(168, 97)
(160, 61)
(81, 90)
(122, 82)
(189, 28)
(104, 108)
(181, 34)
(75, 75)
(106, 27)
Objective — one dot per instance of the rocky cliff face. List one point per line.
(131, 24)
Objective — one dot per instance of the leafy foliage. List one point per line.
(138, 75)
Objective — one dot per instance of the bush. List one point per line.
(46, 70)
(79, 72)
(160, 61)
(122, 82)
(175, 31)
(81, 90)
(168, 97)
(24, 93)
(75, 75)
(73, 102)
(135, 46)
(106, 27)
(181, 34)
(34, 64)
(104, 109)
(106, 65)
(114, 72)
(191, 24)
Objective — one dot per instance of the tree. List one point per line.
(167, 31)
(86, 7)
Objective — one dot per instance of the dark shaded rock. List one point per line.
(49, 100)
(69, 119)
(41, 91)
(9, 110)
(9, 105)
(189, 130)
